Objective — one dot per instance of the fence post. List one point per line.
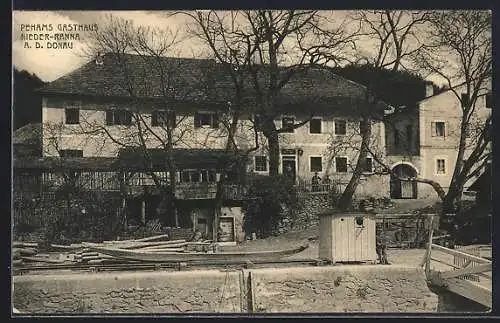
(429, 247)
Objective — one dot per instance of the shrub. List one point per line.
(267, 198)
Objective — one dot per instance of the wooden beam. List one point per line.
(461, 254)
(469, 290)
(466, 271)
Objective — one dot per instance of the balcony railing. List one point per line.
(308, 187)
(194, 191)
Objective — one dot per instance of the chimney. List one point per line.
(429, 89)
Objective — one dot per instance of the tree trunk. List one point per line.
(274, 153)
(453, 197)
(346, 198)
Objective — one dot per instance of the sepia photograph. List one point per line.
(249, 162)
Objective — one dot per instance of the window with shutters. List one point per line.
(315, 125)
(206, 120)
(72, 115)
(440, 166)
(260, 163)
(341, 164)
(163, 118)
(340, 127)
(71, 153)
(118, 118)
(316, 164)
(438, 129)
(287, 123)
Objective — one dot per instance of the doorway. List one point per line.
(289, 167)
(401, 187)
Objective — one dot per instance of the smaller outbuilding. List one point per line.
(347, 237)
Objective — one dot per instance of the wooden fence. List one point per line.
(406, 230)
(466, 268)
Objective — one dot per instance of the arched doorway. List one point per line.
(401, 188)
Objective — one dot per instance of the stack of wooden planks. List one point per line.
(83, 253)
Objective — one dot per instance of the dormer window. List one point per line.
(287, 123)
(206, 120)
(315, 125)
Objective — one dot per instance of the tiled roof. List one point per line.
(183, 158)
(131, 158)
(198, 80)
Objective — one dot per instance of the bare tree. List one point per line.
(462, 55)
(396, 35)
(151, 83)
(269, 48)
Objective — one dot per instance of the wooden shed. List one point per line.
(347, 237)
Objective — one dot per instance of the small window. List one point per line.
(316, 164)
(261, 163)
(118, 118)
(315, 125)
(72, 115)
(206, 120)
(359, 221)
(368, 166)
(71, 153)
(340, 127)
(163, 118)
(439, 129)
(287, 124)
(440, 166)
(488, 102)
(341, 164)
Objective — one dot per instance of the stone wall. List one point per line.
(360, 288)
(307, 216)
(345, 288)
(144, 292)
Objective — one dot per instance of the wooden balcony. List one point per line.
(196, 191)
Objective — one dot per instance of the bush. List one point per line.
(267, 198)
(69, 224)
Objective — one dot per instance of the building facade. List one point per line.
(423, 140)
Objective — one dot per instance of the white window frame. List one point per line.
(322, 166)
(288, 116)
(433, 129)
(335, 164)
(334, 127)
(436, 166)
(212, 121)
(255, 164)
(320, 123)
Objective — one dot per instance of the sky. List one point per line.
(50, 64)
